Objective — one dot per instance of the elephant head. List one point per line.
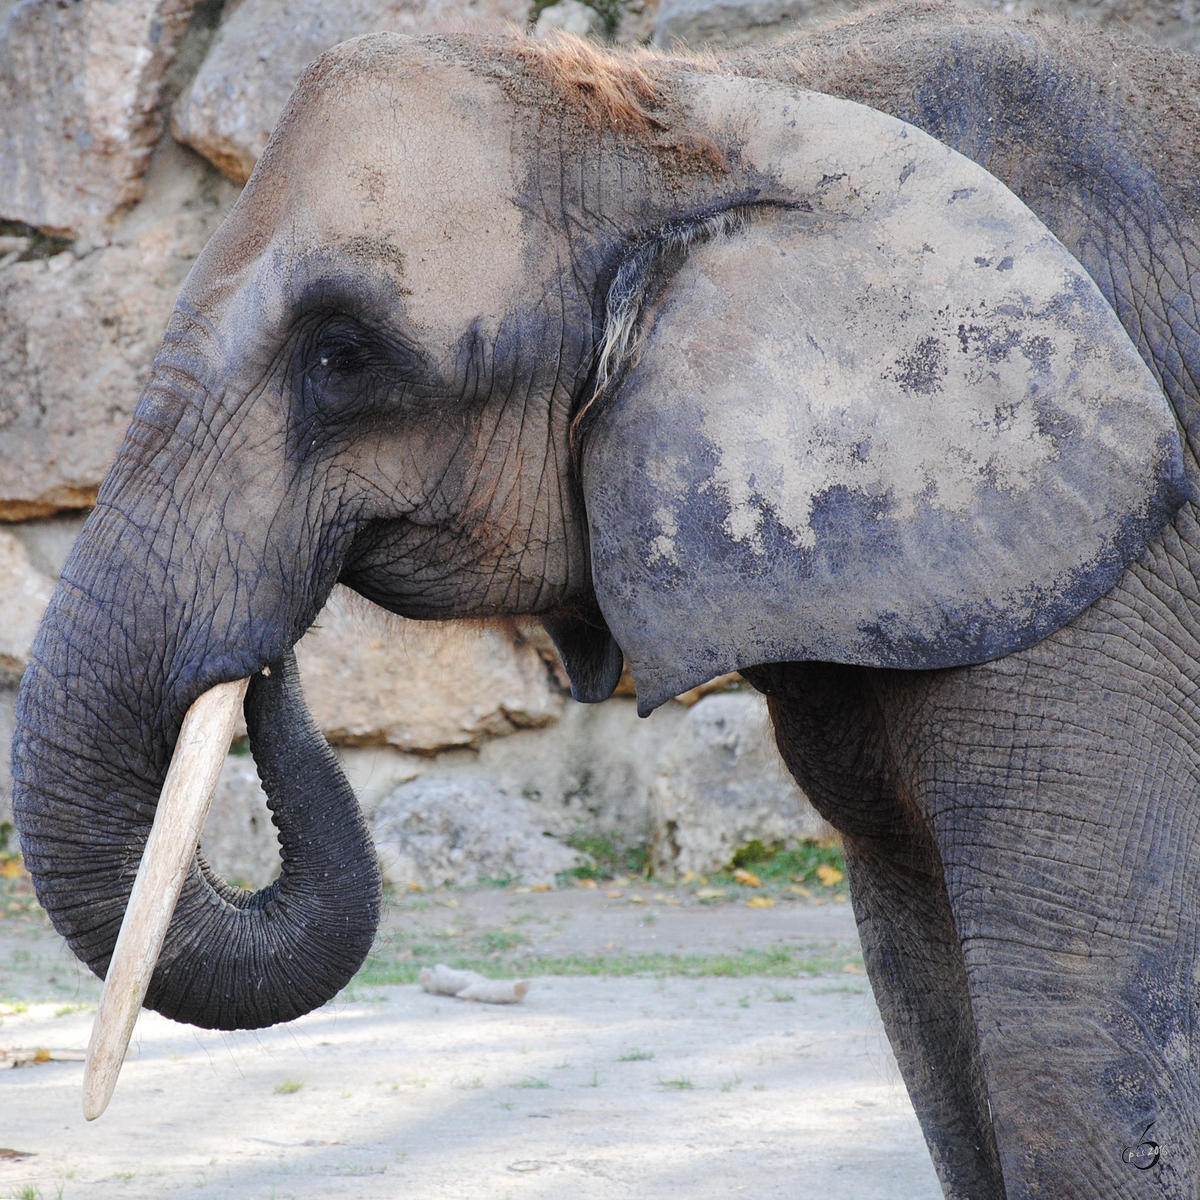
(705, 371)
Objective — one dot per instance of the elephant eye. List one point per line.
(344, 354)
(346, 375)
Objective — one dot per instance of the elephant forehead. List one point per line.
(408, 166)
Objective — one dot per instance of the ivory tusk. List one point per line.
(187, 793)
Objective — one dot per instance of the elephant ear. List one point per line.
(891, 422)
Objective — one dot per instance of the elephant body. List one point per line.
(454, 348)
(1020, 834)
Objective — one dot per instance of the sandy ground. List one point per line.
(596, 1088)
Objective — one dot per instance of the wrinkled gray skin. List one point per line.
(371, 376)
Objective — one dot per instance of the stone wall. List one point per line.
(126, 131)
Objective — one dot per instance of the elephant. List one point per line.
(866, 363)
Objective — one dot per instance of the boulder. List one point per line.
(262, 47)
(78, 334)
(24, 594)
(372, 679)
(720, 784)
(439, 831)
(239, 839)
(590, 772)
(47, 542)
(79, 89)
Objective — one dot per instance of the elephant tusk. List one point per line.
(183, 805)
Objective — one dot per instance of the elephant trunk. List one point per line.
(98, 714)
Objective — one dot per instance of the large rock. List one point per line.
(79, 92)
(720, 784)
(24, 594)
(371, 679)
(263, 46)
(589, 772)
(436, 831)
(31, 557)
(78, 336)
(48, 542)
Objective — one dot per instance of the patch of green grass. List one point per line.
(531, 1082)
(774, 864)
(16, 888)
(637, 1056)
(779, 962)
(42, 245)
(503, 940)
(677, 1085)
(288, 1087)
(608, 858)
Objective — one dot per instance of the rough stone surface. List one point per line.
(47, 542)
(720, 784)
(374, 679)
(239, 839)
(589, 772)
(436, 831)
(79, 89)
(719, 23)
(24, 594)
(78, 336)
(263, 46)
(44, 545)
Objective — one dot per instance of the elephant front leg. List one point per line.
(830, 734)
(917, 974)
(1064, 817)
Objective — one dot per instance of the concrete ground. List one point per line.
(598, 1087)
